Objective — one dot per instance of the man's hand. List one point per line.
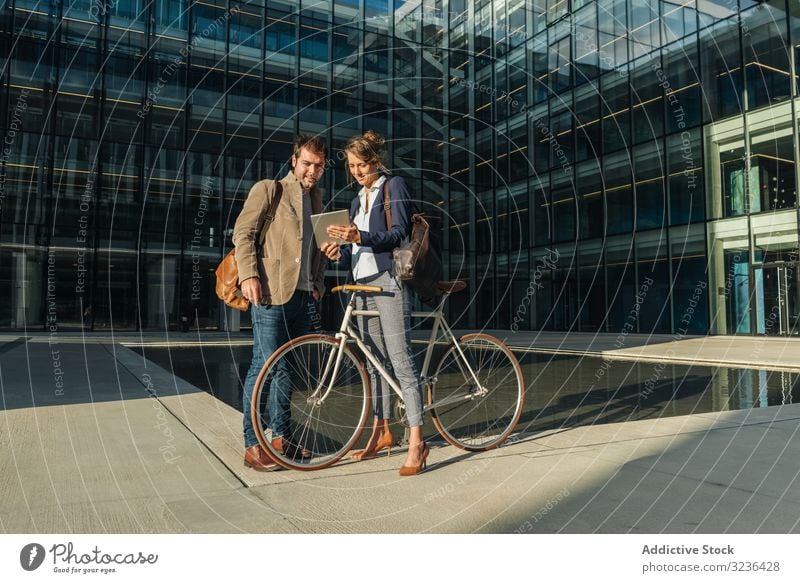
(351, 234)
(251, 290)
(315, 294)
(331, 250)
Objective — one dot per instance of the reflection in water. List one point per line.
(562, 391)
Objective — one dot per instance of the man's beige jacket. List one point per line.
(274, 255)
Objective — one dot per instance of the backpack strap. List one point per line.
(273, 205)
(387, 205)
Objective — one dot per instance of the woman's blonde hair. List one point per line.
(367, 147)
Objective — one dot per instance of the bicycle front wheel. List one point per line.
(327, 399)
(480, 415)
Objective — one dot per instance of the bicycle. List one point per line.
(475, 394)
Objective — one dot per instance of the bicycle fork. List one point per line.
(334, 361)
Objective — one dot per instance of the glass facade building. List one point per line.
(617, 166)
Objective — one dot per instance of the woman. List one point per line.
(370, 258)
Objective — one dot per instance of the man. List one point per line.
(278, 270)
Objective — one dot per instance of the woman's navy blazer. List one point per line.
(381, 240)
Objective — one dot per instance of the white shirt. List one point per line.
(363, 261)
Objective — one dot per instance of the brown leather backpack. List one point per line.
(228, 287)
(417, 263)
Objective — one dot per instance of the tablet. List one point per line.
(322, 221)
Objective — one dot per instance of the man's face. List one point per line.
(308, 166)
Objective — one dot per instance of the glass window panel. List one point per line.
(281, 44)
(345, 58)
(774, 306)
(560, 139)
(616, 112)
(649, 163)
(502, 312)
(690, 287)
(171, 17)
(683, 92)
(123, 123)
(522, 293)
(80, 26)
(767, 60)
(592, 286)
(458, 267)
(75, 185)
(585, 48)
(166, 127)
(79, 72)
(167, 89)
(124, 78)
(208, 35)
(654, 285)
(484, 222)
(730, 286)
(519, 219)
(543, 261)
(459, 223)
(376, 55)
(21, 285)
(485, 304)
(648, 99)
(313, 106)
(564, 208)
(280, 101)
(560, 64)
(621, 277)
(721, 65)
(519, 163)
(119, 199)
(517, 82)
(76, 116)
(33, 18)
(25, 206)
(565, 288)
(30, 64)
(678, 19)
(613, 33)
(772, 159)
(126, 27)
(794, 25)
(645, 27)
(501, 220)
(542, 210)
(685, 171)
(590, 192)
(540, 55)
(619, 193)
(714, 10)
(587, 122)
(728, 179)
(246, 33)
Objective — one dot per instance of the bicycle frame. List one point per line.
(348, 333)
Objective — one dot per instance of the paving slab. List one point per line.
(129, 447)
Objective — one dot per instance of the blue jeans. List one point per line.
(273, 326)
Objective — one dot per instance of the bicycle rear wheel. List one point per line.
(328, 403)
(466, 416)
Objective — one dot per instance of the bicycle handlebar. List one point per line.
(357, 288)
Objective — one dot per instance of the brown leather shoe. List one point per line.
(255, 458)
(289, 449)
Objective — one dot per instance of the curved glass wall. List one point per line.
(602, 163)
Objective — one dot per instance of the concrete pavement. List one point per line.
(124, 446)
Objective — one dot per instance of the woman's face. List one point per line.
(364, 172)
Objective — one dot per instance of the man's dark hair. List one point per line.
(312, 143)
